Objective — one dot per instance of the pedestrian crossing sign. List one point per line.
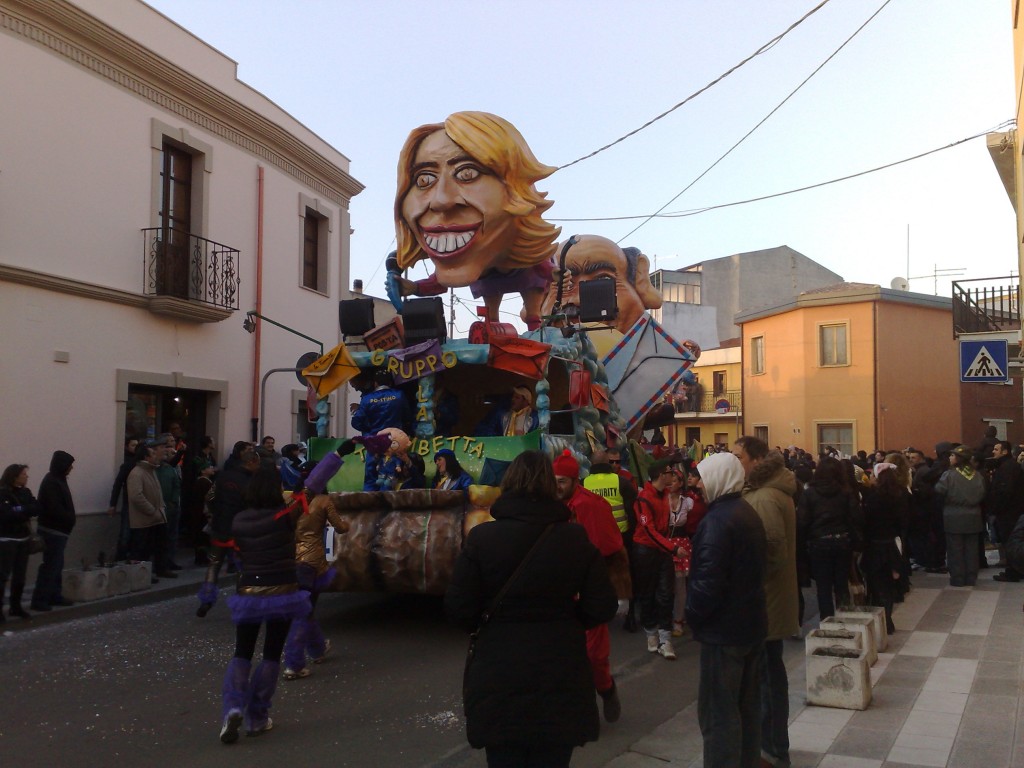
(983, 361)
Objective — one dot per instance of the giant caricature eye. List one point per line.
(467, 173)
(425, 179)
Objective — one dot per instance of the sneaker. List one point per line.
(667, 651)
(322, 656)
(295, 674)
(203, 609)
(677, 629)
(1004, 576)
(262, 729)
(232, 723)
(652, 643)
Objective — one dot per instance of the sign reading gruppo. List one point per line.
(983, 361)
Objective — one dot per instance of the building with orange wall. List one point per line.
(852, 366)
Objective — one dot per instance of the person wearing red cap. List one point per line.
(595, 515)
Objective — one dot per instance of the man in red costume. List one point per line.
(595, 515)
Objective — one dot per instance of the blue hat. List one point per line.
(445, 453)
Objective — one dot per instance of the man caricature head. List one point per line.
(592, 257)
(466, 199)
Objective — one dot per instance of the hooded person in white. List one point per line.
(725, 608)
(721, 473)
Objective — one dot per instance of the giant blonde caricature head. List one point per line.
(466, 199)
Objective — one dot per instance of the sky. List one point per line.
(573, 76)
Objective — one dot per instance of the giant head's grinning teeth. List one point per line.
(446, 242)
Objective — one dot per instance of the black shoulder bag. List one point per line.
(485, 618)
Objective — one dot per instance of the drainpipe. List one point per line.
(255, 398)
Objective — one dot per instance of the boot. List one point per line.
(295, 651)
(261, 691)
(612, 705)
(16, 608)
(234, 696)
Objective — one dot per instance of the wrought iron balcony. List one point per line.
(990, 308)
(706, 402)
(182, 266)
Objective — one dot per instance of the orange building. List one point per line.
(852, 366)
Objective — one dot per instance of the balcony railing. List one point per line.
(184, 266)
(989, 308)
(706, 402)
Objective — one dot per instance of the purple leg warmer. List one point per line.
(295, 646)
(235, 691)
(207, 593)
(261, 691)
(315, 644)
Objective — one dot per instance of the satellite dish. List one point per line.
(899, 284)
(304, 362)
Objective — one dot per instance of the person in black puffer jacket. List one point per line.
(268, 593)
(725, 608)
(17, 507)
(528, 692)
(56, 521)
(829, 518)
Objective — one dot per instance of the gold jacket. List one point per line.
(309, 532)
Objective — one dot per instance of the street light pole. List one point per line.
(250, 326)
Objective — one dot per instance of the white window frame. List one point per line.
(755, 369)
(821, 328)
(820, 424)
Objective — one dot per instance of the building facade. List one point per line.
(854, 367)
(149, 200)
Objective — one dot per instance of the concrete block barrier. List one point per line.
(839, 678)
(832, 638)
(82, 586)
(861, 624)
(877, 614)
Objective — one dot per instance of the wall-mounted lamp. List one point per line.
(249, 325)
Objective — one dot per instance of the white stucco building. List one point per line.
(148, 200)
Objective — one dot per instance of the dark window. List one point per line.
(311, 250)
(718, 382)
(175, 220)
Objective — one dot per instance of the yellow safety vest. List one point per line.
(606, 485)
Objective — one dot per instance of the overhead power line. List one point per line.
(763, 49)
(705, 209)
(761, 122)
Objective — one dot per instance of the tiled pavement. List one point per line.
(947, 692)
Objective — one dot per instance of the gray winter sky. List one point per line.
(574, 76)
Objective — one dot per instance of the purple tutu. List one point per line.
(256, 609)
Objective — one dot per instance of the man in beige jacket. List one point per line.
(146, 514)
(769, 490)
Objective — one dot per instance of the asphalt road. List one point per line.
(141, 687)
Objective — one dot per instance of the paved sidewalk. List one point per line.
(187, 583)
(946, 693)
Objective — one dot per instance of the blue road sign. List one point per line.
(983, 361)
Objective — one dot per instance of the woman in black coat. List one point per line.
(17, 507)
(56, 521)
(829, 518)
(528, 692)
(886, 507)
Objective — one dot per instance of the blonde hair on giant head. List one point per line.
(902, 467)
(498, 145)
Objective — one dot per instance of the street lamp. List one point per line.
(249, 325)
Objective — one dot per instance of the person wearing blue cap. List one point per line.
(450, 474)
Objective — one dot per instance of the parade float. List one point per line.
(592, 359)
